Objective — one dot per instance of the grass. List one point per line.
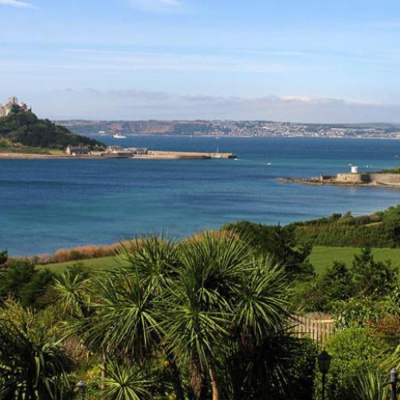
(92, 263)
(6, 146)
(321, 257)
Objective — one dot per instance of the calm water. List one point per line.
(48, 204)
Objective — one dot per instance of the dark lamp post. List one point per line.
(82, 385)
(393, 383)
(324, 362)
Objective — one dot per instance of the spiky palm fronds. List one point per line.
(125, 317)
(261, 306)
(214, 265)
(154, 259)
(32, 364)
(73, 293)
(371, 386)
(198, 305)
(125, 383)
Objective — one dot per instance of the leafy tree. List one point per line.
(25, 128)
(280, 243)
(22, 281)
(3, 257)
(321, 295)
(391, 222)
(338, 283)
(373, 278)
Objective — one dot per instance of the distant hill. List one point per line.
(233, 128)
(23, 130)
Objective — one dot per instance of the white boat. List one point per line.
(119, 136)
(217, 155)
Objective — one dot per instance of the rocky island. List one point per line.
(24, 135)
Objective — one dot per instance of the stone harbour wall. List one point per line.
(380, 179)
(386, 179)
(353, 178)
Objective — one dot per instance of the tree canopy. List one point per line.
(26, 129)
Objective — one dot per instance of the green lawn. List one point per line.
(94, 263)
(321, 258)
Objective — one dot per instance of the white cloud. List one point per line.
(16, 3)
(142, 105)
(156, 5)
(104, 59)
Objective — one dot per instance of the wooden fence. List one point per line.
(318, 329)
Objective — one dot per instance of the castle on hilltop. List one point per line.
(13, 106)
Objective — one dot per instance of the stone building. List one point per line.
(76, 150)
(13, 106)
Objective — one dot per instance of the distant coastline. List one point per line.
(253, 137)
(231, 128)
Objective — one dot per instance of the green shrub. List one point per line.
(22, 281)
(355, 352)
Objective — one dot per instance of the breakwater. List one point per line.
(350, 179)
(150, 155)
(184, 155)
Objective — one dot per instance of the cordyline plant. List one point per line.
(33, 364)
(185, 309)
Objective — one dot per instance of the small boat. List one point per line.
(268, 163)
(119, 136)
(217, 155)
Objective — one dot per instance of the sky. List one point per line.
(284, 60)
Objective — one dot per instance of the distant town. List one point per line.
(233, 128)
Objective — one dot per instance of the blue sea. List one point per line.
(51, 204)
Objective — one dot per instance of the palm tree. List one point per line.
(124, 305)
(125, 317)
(72, 290)
(154, 259)
(261, 304)
(33, 364)
(198, 310)
(125, 383)
(193, 308)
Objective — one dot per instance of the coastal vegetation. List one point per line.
(24, 132)
(381, 229)
(210, 317)
(205, 318)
